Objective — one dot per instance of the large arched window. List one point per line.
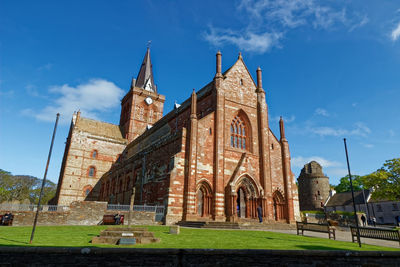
(239, 133)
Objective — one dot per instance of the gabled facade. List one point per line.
(212, 158)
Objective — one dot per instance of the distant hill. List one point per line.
(24, 187)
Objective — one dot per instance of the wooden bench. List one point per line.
(109, 219)
(8, 222)
(375, 233)
(315, 227)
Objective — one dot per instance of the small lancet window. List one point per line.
(241, 81)
(238, 133)
(94, 154)
(92, 171)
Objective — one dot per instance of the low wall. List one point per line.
(40, 256)
(79, 213)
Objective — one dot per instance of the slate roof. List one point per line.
(344, 199)
(100, 128)
(145, 72)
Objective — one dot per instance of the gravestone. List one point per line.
(174, 229)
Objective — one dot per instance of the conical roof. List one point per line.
(145, 78)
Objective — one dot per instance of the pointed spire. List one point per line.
(193, 106)
(282, 129)
(240, 55)
(145, 78)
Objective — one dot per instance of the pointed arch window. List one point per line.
(239, 138)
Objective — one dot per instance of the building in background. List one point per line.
(385, 211)
(313, 187)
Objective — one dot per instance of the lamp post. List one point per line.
(352, 194)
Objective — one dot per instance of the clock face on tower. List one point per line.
(148, 101)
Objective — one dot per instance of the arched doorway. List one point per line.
(200, 202)
(203, 200)
(279, 206)
(242, 196)
(241, 203)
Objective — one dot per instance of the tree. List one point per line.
(6, 182)
(344, 185)
(385, 181)
(49, 191)
(22, 187)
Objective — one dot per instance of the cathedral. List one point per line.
(213, 157)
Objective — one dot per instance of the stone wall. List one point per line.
(41, 256)
(313, 187)
(79, 213)
(90, 144)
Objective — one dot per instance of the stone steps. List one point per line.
(238, 225)
(215, 225)
(119, 233)
(113, 235)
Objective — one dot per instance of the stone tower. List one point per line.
(142, 106)
(313, 187)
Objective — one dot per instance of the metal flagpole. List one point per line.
(44, 179)
(352, 194)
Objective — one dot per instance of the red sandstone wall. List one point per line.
(75, 177)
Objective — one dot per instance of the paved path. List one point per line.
(345, 236)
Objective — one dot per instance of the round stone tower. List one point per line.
(313, 187)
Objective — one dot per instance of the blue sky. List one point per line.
(330, 68)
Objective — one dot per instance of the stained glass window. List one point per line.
(238, 133)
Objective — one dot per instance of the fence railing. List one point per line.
(159, 210)
(31, 207)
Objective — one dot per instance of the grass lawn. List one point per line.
(80, 236)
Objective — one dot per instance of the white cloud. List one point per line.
(31, 90)
(322, 112)
(360, 129)
(247, 41)
(363, 21)
(95, 96)
(368, 145)
(301, 161)
(338, 172)
(47, 66)
(268, 21)
(395, 33)
(9, 93)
